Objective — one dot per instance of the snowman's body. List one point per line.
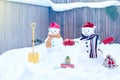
(55, 39)
(89, 47)
(85, 46)
(56, 43)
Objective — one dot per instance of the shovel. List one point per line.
(33, 56)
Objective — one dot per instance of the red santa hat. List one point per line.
(54, 25)
(88, 25)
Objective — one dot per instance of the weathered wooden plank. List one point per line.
(15, 22)
(105, 26)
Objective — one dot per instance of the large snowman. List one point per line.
(89, 40)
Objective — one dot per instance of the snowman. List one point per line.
(54, 45)
(89, 40)
(54, 40)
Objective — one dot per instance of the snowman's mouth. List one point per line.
(85, 34)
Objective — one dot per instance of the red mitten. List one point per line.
(68, 42)
(108, 40)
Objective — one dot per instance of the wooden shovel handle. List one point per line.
(33, 25)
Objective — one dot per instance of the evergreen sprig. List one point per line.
(112, 12)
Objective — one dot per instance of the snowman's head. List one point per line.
(54, 28)
(53, 31)
(88, 29)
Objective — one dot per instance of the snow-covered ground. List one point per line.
(14, 64)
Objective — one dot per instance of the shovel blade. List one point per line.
(33, 57)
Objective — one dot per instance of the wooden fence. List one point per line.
(15, 24)
(106, 20)
(15, 19)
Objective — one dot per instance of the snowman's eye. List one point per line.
(88, 30)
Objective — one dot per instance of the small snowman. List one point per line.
(54, 45)
(54, 40)
(89, 40)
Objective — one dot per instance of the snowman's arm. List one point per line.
(77, 40)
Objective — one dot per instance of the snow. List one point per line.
(14, 64)
(34, 2)
(64, 7)
(68, 6)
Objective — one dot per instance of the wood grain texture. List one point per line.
(74, 19)
(15, 24)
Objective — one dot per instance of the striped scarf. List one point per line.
(93, 44)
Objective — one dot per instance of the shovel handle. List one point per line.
(33, 25)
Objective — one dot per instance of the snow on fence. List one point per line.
(105, 19)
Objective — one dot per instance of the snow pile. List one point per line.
(112, 49)
(15, 66)
(63, 7)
